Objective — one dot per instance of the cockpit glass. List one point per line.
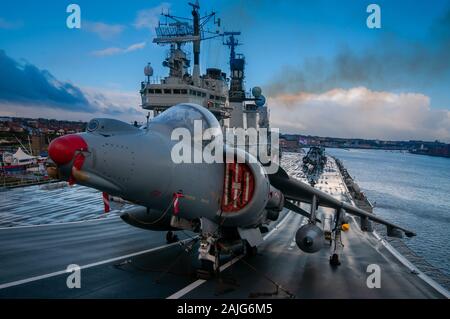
(181, 116)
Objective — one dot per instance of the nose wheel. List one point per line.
(334, 260)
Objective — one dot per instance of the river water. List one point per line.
(410, 190)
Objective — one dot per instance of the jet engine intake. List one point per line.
(246, 191)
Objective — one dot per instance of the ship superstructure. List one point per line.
(209, 90)
(224, 96)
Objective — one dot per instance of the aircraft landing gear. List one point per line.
(250, 250)
(171, 237)
(209, 256)
(338, 246)
(334, 260)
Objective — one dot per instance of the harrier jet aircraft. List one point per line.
(226, 203)
(313, 164)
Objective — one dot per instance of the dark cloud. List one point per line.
(23, 85)
(391, 64)
(27, 84)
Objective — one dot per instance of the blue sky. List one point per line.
(291, 46)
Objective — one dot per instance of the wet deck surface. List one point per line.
(120, 261)
(48, 204)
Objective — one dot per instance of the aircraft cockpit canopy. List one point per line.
(192, 117)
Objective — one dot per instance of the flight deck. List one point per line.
(121, 261)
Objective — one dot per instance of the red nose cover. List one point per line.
(62, 149)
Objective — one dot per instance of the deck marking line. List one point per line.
(200, 282)
(57, 273)
(187, 289)
(113, 217)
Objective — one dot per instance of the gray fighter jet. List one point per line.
(226, 203)
(313, 164)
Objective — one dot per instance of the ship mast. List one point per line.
(236, 93)
(178, 31)
(196, 44)
(209, 90)
(237, 65)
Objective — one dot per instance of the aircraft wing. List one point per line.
(295, 190)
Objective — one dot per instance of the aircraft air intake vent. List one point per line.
(239, 186)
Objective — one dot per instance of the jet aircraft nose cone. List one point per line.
(62, 149)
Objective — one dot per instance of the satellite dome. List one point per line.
(256, 91)
(148, 70)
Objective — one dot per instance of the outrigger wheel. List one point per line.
(171, 237)
(334, 260)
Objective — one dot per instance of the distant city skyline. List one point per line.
(323, 70)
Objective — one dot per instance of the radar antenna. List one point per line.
(237, 67)
(178, 31)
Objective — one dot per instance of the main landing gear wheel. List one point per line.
(250, 251)
(208, 266)
(334, 260)
(171, 237)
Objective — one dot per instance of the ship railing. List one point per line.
(421, 263)
(152, 80)
(10, 181)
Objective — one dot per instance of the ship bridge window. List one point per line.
(158, 91)
(211, 97)
(203, 94)
(199, 93)
(183, 91)
(151, 91)
(176, 91)
(192, 92)
(167, 91)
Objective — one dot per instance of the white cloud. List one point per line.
(108, 51)
(103, 30)
(117, 50)
(149, 18)
(360, 112)
(136, 46)
(113, 101)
